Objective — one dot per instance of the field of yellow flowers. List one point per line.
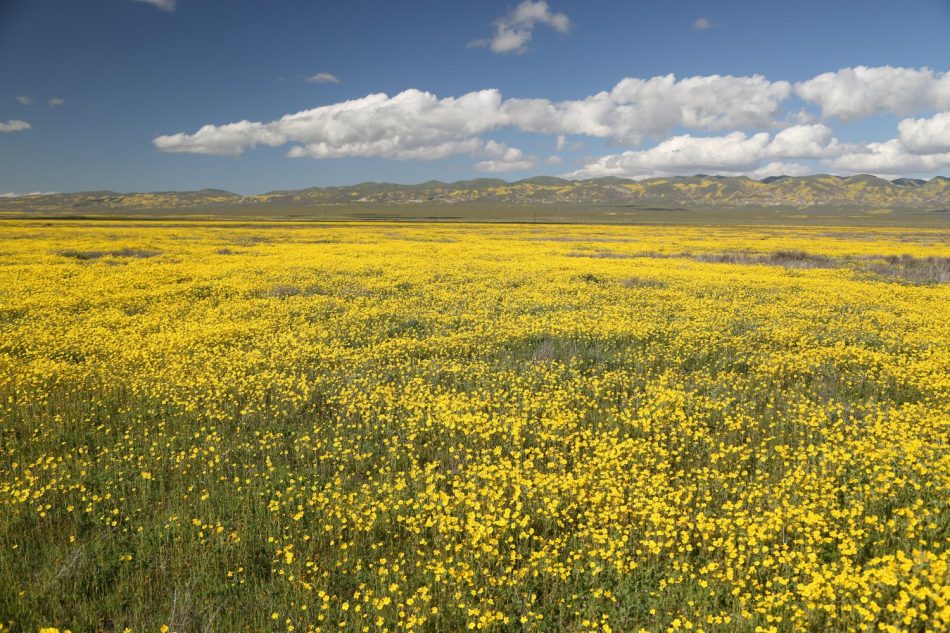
(397, 427)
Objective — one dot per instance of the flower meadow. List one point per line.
(432, 427)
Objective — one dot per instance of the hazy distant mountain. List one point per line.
(821, 192)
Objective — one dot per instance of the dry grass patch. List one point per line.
(640, 282)
(919, 270)
(135, 253)
(789, 259)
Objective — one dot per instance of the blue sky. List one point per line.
(464, 89)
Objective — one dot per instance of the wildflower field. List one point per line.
(394, 427)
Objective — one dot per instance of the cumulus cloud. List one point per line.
(388, 148)
(25, 100)
(55, 102)
(803, 141)
(708, 102)
(504, 158)
(733, 153)
(514, 30)
(926, 136)
(921, 146)
(410, 125)
(164, 5)
(497, 165)
(682, 154)
(779, 168)
(14, 125)
(701, 24)
(220, 140)
(853, 93)
(888, 157)
(637, 108)
(323, 78)
(417, 125)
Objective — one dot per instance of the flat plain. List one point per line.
(368, 427)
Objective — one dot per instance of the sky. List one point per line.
(259, 95)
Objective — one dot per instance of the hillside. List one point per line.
(808, 193)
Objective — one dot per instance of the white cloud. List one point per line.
(597, 115)
(409, 125)
(514, 30)
(388, 148)
(25, 100)
(701, 24)
(853, 93)
(14, 125)
(803, 141)
(801, 117)
(221, 140)
(708, 102)
(922, 146)
(417, 125)
(55, 102)
(497, 166)
(926, 136)
(504, 158)
(683, 154)
(11, 194)
(779, 168)
(164, 5)
(553, 160)
(323, 78)
(733, 153)
(889, 157)
(637, 108)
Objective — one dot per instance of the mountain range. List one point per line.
(700, 192)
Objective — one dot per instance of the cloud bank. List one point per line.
(416, 124)
(733, 153)
(712, 123)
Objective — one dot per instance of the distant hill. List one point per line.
(701, 192)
